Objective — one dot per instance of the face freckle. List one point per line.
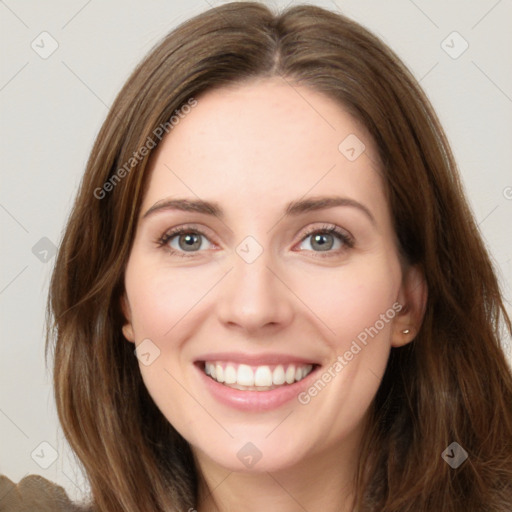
(259, 279)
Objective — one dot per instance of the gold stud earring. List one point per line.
(406, 331)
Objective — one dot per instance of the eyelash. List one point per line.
(330, 229)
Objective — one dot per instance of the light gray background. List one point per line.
(53, 108)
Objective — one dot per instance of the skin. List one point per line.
(253, 148)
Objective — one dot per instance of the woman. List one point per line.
(267, 376)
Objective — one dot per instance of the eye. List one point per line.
(182, 240)
(187, 241)
(326, 238)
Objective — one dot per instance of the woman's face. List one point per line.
(285, 284)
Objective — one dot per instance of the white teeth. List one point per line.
(243, 376)
(278, 376)
(290, 374)
(219, 373)
(263, 376)
(230, 375)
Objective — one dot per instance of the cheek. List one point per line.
(357, 307)
(159, 303)
(353, 300)
(160, 299)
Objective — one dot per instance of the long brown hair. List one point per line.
(451, 384)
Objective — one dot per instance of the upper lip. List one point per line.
(256, 359)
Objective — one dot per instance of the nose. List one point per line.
(254, 296)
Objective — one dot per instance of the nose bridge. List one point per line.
(253, 296)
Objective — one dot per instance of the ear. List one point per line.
(127, 313)
(413, 299)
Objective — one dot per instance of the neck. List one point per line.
(321, 482)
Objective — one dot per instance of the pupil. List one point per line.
(323, 245)
(191, 240)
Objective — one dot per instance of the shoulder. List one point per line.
(35, 493)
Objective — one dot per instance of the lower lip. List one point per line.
(255, 400)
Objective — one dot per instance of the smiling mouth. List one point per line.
(256, 378)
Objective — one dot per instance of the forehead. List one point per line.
(265, 140)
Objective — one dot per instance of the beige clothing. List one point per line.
(35, 494)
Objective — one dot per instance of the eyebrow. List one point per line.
(293, 209)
